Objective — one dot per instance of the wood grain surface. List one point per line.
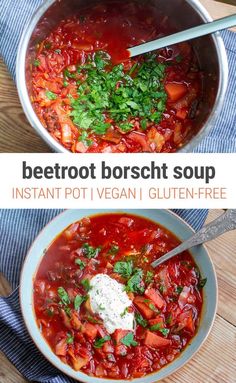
(16, 134)
(216, 360)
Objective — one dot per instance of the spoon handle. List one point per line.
(188, 34)
(226, 222)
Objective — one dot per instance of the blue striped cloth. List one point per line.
(18, 228)
(222, 139)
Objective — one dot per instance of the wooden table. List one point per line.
(16, 135)
(215, 362)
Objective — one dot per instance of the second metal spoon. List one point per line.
(226, 222)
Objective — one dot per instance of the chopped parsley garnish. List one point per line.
(85, 139)
(179, 59)
(179, 289)
(153, 308)
(113, 250)
(69, 339)
(139, 93)
(140, 320)
(164, 331)
(124, 312)
(79, 299)
(80, 263)
(202, 283)
(128, 340)
(48, 45)
(90, 251)
(37, 62)
(125, 269)
(100, 342)
(67, 74)
(155, 327)
(86, 284)
(65, 83)
(58, 51)
(169, 319)
(50, 95)
(135, 283)
(158, 327)
(64, 297)
(149, 277)
(50, 312)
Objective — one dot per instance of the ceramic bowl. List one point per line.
(163, 217)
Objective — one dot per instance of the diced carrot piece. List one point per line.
(155, 297)
(143, 307)
(87, 306)
(61, 347)
(77, 361)
(131, 296)
(119, 334)
(89, 330)
(182, 113)
(75, 321)
(176, 91)
(155, 341)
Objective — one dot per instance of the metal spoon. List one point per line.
(188, 34)
(226, 222)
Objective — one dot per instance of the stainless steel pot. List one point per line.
(184, 14)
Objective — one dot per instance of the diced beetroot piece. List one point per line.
(108, 348)
(120, 350)
(61, 347)
(143, 307)
(186, 321)
(155, 297)
(89, 330)
(155, 341)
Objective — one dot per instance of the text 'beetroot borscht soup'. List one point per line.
(101, 306)
(92, 97)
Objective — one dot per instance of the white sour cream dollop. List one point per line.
(109, 300)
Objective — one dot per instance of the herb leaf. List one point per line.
(140, 320)
(90, 251)
(135, 283)
(100, 342)
(202, 283)
(125, 269)
(80, 263)
(113, 250)
(149, 277)
(86, 284)
(50, 95)
(79, 299)
(65, 300)
(128, 340)
(69, 339)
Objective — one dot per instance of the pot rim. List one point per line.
(56, 146)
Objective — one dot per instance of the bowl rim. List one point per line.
(55, 145)
(82, 377)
